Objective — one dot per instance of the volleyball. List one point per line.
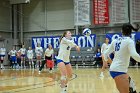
(86, 32)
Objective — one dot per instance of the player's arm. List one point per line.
(45, 53)
(16, 52)
(108, 51)
(132, 50)
(41, 50)
(102, 48)
(71, 43)
(68, 42)
(32, 53)
(9, 53)
(28, 53)
(36, 50)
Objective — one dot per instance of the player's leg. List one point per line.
(103, 67)
(40, 62)
(122, 83)
(2, 60)
(21, 61)
(63, 78)
(24, 61)
(69, 70)
(37, 61)
(42, 65)
(121, 80)
(14, 62)
(30, 63)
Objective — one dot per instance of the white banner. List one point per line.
(82, 12)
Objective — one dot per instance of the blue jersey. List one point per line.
(98, 54)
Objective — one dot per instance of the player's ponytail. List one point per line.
(127, 29)
(62, 36)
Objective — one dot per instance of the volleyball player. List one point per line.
(30, 57)
(124, 47)
(48, 59)
(39, 52)
(2, 56)
(18, 58)
(104, 47)
(12, 54)
(23, 55)
(63, 61)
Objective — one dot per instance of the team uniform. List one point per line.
(124, 48)
(63, 56)
(30, 54)
(64, 51)
(30, 57)
(12, 54)
(48, 59)
(104, 47)
(2, 53)
(23, 55)
(39, 52)
(2, 56)
(23, 52)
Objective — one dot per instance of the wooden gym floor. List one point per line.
(87, 81)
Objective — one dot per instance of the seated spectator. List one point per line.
(98, 58)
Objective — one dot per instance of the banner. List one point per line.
(101, 12)
(81, 41)
(119, 11)
(82, 12)
(135, 36)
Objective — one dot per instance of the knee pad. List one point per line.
(63, 78)
(132, 86)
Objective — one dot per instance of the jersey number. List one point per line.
(117, 46)
(68, 48)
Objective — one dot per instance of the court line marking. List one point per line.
(75, 76)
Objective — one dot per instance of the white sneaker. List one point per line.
(101, 75)
(39, 72)
(63, 90)
(1, 66)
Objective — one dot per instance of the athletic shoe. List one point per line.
(101, 75)
(63, 90)
(39, 71)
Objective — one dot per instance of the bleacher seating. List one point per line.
(84, 58)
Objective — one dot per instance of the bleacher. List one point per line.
(84, 58)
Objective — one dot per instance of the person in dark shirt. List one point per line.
(98, 58)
